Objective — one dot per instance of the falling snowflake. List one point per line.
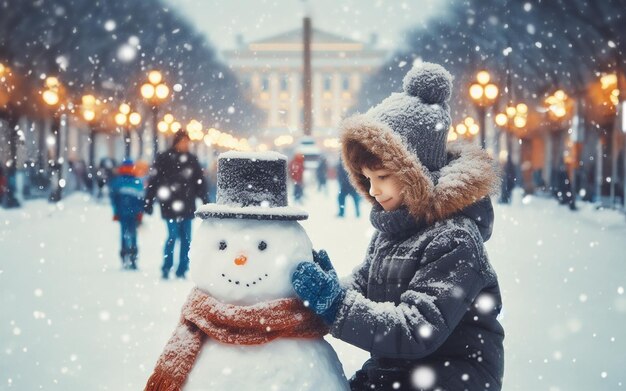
(178, 206)
(110, 25)
(485, 303)
(423, 377)
(126, 53)
(164, 193)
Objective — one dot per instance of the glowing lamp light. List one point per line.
(52, 82)
(511, 111)
(476, 91)
(560, 95)
(483, 77)
(134, 119)
(332, 143)
(168, 118)
(89, 100)
(175, 126)
(491, 91)
(124, 108)
(608, 80)
(155, 77)
(521, 108)
(162, 91)
(50, 97)
(519, 122)
(89, 115)
(120, 119)
(163, 126)
(473, 129)
(501, 119)
(461, 129)
(147, 90)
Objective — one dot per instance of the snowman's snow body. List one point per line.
(245, 262)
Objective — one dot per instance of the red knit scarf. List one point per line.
(203, 316)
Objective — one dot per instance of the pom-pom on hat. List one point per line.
(420, 114)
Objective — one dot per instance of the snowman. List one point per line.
(242, 327)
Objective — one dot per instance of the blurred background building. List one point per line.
(270, 72)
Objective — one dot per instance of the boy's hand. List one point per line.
(139, 217)
(116, 218)
(322, 259)
(318, 286)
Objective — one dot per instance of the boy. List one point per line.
(425, 300)
(127, 201)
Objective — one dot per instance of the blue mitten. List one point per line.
(318, 286)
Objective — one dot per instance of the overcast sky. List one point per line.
(222, 20)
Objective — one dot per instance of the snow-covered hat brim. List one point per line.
(285, 213)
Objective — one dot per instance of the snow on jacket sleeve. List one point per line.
(357, 280)
(441, 291)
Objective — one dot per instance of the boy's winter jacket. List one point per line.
(426, 297)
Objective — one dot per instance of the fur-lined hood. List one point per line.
(469, 175)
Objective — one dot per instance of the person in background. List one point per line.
(126, 192)
(296, 172)
(322, 174)
(508, 182)
(176, 179)
(346, 189)
(104, 174)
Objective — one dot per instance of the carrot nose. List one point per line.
(241, 260)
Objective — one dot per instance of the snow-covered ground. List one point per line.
(70, 319)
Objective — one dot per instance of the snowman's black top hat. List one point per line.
(251, 185)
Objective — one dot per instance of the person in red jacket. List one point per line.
(296, 172)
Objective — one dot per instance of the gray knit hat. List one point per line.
(420, 114)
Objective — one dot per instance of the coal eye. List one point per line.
(223, 245)
(262, 245)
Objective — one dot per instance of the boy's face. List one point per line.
(385, 187)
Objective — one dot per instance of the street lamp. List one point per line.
(610, 83)
(194, 129)
(125, 118)
(513, 117)
(558, 106)
(51, 95)
(89, 110)
(468, 129)
(155, 92)
(168, 125)
(484, 95)
(7, 86)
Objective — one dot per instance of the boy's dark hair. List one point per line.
(359, 157)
